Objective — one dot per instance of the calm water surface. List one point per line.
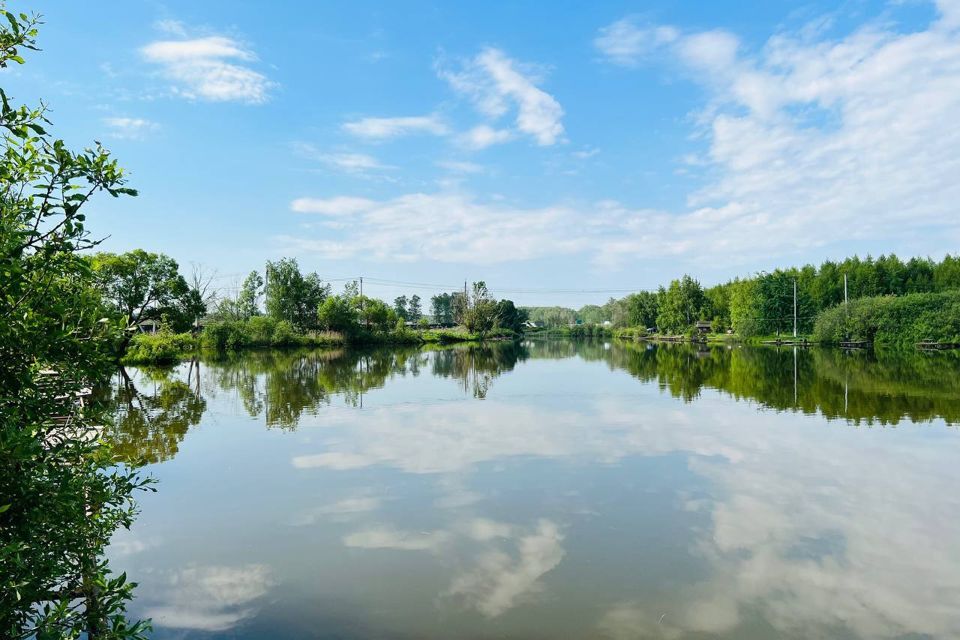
(549, 489)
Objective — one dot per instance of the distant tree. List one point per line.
(338, 313)
(375, 314)
(481, 316)
(140, 286)
(592, 314)
(400, 306)
(351, 289)
(292, 297)
(554, 316)
(248, 301)
(508, 316)
(745, 308)
(459, 305)
(414, 311)
(642, 309)
(441, 308)
(680, 305)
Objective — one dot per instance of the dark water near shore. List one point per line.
(550, 489)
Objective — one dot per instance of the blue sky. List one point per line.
(542, 147)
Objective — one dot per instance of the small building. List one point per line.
(703, 326)
(148, 326)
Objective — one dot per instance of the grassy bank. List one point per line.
(263, 333)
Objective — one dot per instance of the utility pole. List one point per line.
(362, 305)
(794, 311)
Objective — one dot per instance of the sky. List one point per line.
(562, 152)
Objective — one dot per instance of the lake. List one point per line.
(546, 489)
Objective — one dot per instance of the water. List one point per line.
(550, 489)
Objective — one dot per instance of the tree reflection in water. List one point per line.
(153, 412)
(156, 408)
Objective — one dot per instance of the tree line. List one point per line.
(138, 288)
(764, 304)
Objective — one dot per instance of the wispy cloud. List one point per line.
(214, 68)
(483, 136)
(172, 27)
(497, 84)
(460, 166)
(350, 162)
(626, 43)
(383, 128)
(130, 128)
(339, 206)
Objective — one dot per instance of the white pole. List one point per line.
(794, 307)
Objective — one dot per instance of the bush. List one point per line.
(159, 348)
(892, 320)
(262, 331)
(226, 336)
(630, 333)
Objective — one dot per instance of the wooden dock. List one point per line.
(855, 344)
(932, 345)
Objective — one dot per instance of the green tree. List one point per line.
(291, 296)
(248, 301)
(414, 310)
(481, 316)
(441, 308)
(642, 309)
(61, 497)
(338, 313)
(459, 306)
(400, 306)
(375, 314)
(680, 305)
(508, 316)
(139, 286)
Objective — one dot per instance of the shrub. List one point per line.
(892, 320)
(159, 348)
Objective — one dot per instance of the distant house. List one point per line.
(704, 326)
(530, 324)
(607, 323)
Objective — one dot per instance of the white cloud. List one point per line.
(625, 43)
(387, 538)
(173, 27)
(210, 598)
(383, 128)
(130, 128)
(460, 166)
(483, 136)
(497, 83)
(339, 206)
(586, 153)
(208, 69)
(499, 582)
(448, 227)
(350, 162)
(342, 509)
